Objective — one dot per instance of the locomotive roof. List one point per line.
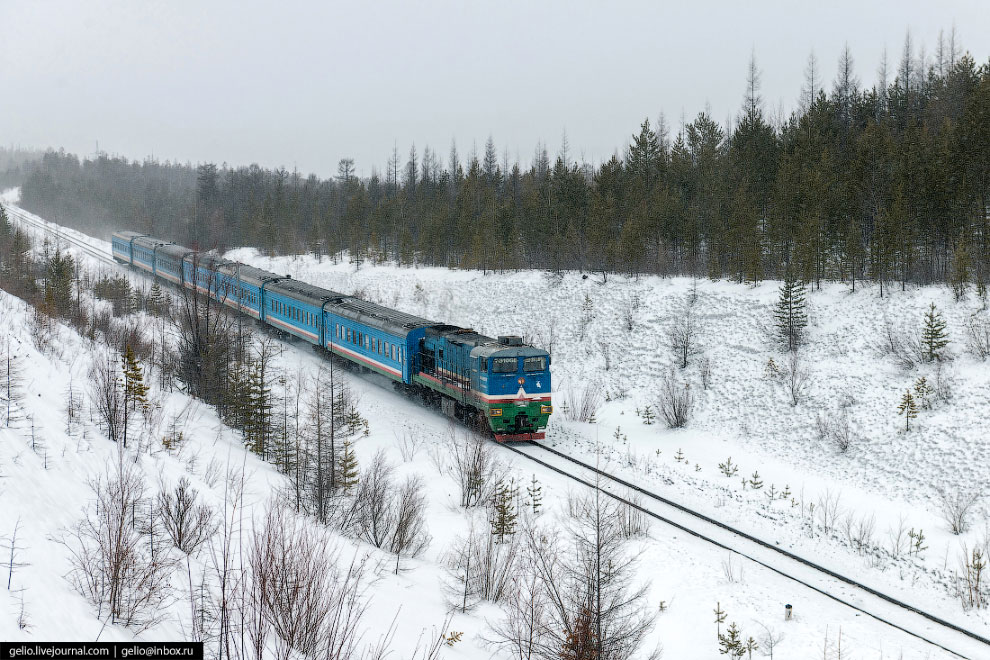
(482, 345)
(377, 316)
(305, 292)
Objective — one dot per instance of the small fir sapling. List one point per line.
(535, 494)
(728, 468)
(755, 481)
(908, 408)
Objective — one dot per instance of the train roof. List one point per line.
(148, 241)
(174, 250)
(128, 235)
(305, 292)
(377, 316)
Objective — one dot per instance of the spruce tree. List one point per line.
(934, 337)
(731, 643)
(908, 408)
(503, 510)
(789, 314)
(156, 300)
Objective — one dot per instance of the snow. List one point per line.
(886, 473)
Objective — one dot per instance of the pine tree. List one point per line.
(720, 615)
(535, 493)
(908, 408)
(755, 481)
(789, 313)
(934, 336)
(348, 473)
(135, 389)
(923, 391)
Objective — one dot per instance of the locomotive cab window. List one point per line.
(535, 364)
(504, 365)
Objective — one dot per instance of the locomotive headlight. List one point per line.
(495, 412)
(546, 410)
(521, 380)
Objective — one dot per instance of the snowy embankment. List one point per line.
(47, 463)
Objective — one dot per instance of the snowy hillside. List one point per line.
(47, 460)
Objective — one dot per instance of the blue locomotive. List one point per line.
(466, 374)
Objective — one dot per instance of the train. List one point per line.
(467, 375)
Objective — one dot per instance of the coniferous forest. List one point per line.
(888, 183)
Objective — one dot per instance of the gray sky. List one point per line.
(303, 84)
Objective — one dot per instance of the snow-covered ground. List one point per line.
(887, 473)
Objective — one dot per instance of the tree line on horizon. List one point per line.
(889, 184)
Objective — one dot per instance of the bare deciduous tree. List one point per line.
(579, 599)
(682, 336)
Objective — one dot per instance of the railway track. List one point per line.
(862, 598)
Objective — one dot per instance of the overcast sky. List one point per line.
(303, 84)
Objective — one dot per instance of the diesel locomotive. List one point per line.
(467, 375)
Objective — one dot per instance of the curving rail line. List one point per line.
(705, 520)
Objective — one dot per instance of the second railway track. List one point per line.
(862, 598)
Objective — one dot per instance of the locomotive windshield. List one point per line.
(535, 364)
(504, 365)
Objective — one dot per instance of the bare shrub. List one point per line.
(470, 459)
(633, 522)
(188, 523)
(390, 517)
(797, 377)
(583, 405)
(409, 444)
(110, 565)
(828, 509)
(973, 588)
(682, 337)
(706, 372)
(945, 382)
(482, 568)
(906, 349)
(303, 591)
(978, 336)
(676, 401)
(956, 507)
(835, 428)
